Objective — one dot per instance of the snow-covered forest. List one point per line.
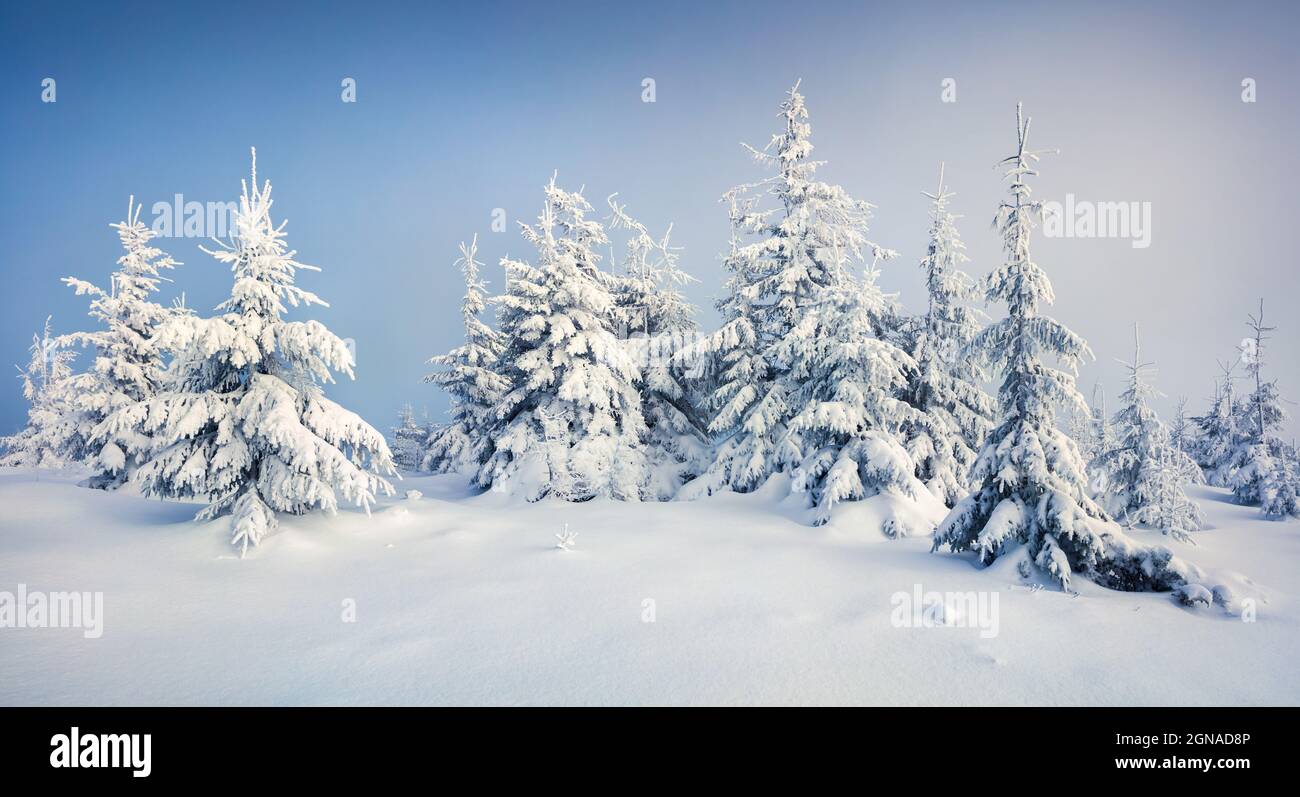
(586, 375)
(711, 419)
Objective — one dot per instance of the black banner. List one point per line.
(209, 746)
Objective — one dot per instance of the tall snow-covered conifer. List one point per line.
(1182, 434)
(1032, 490)
(470, 378)
(657, 324)
(243, 422)
(1101, 436)
(128, 366)
(956, 413)
(569, 424)
(791, 288)
(1262, 466)
(741, 395)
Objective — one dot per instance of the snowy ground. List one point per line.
(465, 600)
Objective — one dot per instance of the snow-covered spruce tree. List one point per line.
(658, 322)
(243, 422)
(1079, 423)
(469, 378)
(1103, 436)
(847, 380)
(569, 425)
(128, 366)
(1280, 496)
(738, 384)
(786, 284)
(1262, 472)
(956, 413)
(1145, 470)
(408, 439)
(1218, 433)
(53, 433)
(1031, 485)
(1168, 507)
(1182, 435)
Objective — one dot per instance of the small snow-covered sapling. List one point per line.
(567, 539)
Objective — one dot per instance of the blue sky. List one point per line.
(461, 110)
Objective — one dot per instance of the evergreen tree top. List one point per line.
(1016, 342)
(263, 264)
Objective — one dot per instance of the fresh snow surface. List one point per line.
(464, 599)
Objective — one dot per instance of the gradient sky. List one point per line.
(469, 108)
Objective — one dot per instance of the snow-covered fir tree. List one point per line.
(956, 413)
(53, 435)
(1280, 493)
(789, 287)
(1032, 491)
(1168, 508)
(1262, 465)
(128, 366)
(657, 323)
(1102, 435)
(468, 374)
(408, 439)
(1145, 470)
(1217, 431)
(570, 424)
(1079, 425)
(1182, 434)
(243, 422)
(738, 385)
(848, 382)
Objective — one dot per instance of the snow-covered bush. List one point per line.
(242, 421)
(1194, 596)
(1032, 489)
